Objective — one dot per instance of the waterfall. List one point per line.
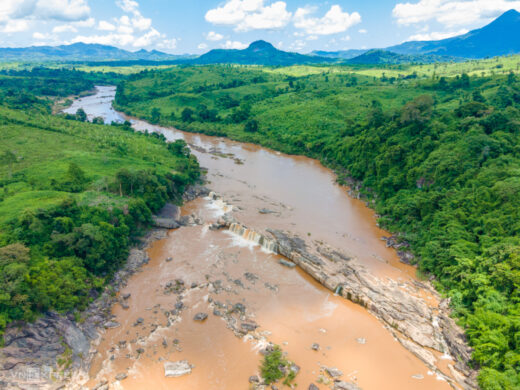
(254, 237)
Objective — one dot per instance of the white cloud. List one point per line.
(246, 15)
(70, 10)
(17, 15)
(346, 38)
(16, 25)
(131, 30)
(362, 31)
(39, 35)
(436, 36)
(147, 39)
(312, 38)
(335, 21)
(452, 13)
(141, 23)
(129, 6)
(234, 45)
(213, 36)
(167, 44)
(103, 25)
(202, 46)
(64, 28)
(90, 22)
(297, 45)
(108, 39)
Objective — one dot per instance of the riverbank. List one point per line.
(57, 350)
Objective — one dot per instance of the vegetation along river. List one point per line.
(227, 264)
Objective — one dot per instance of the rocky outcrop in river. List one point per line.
(417, 325)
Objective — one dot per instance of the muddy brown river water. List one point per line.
(220, 269)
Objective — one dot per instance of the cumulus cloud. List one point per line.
(90, 22)
(298, 45)
(69, 10)
(64, 28)
(234, 45)
(40, 36)
(167, 44)
(451, 13)
(108, 39)
(202, 46)
(130, 30)
(103, 25)
(13, 26)
(15, 15)
(246, 15)
(213, 36)
(335, 21)
(436, 36)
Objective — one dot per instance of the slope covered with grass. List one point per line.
(73, 197)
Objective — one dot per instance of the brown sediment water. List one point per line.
(219, 270)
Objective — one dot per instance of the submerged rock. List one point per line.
(121, 376)
(176, 369)
(286, 263)
(111, 325)
(248, 326)
(340, 385)
(333, 372)
(200, 317)
(165, 223)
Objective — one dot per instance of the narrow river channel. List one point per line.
(220, 269)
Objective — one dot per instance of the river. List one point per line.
(220, 269)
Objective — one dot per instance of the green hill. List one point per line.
(73, 197)
(258, 53)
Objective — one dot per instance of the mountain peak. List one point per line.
(260, 45)
(511, 13)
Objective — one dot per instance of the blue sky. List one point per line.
(196, 26)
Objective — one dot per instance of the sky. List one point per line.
(196, 26)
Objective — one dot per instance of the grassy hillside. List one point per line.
(73, 196)
(439, 156)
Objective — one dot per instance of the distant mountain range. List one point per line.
(500, 37)
(379, 56)
(81, 52)
(343, 54)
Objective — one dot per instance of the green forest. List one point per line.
(439, 158)
(74, 196)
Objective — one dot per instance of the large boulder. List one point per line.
(176, 369)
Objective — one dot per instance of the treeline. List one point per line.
(73, 198)
(25, 89)
(439, 157)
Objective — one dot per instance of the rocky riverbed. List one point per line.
(416, 324)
